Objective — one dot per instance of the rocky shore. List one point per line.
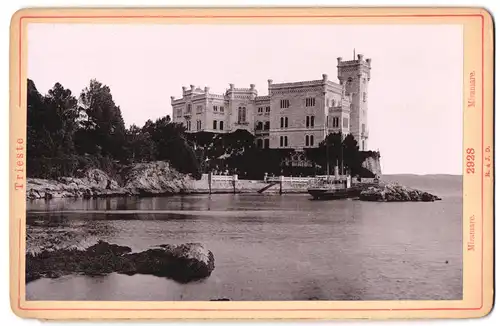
(183, 263)
(152, 178)
(159, 178)
(395, 193)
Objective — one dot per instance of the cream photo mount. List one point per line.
(478, 171)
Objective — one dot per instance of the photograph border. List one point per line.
(478, 134)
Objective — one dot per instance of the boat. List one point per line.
(331, 188)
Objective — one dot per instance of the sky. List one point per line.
(414, 98)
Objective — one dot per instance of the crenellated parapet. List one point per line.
(350, 67)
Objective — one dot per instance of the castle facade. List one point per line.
(294, 115)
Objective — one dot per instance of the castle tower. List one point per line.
(355, 75)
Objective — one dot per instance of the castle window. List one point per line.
(215, 108)
(199, 108)
(335, 122)
(282, 122)
(364, 96)
(260, 110)
(198, 124)
(286, 122)
(307, 140)
(311, 140)
(259, 125)
(310, 101)
(266, 143)
(312, 121)
(259, 143)
(215, 125)
(284, 104)
(221, 109)
(345, 123)
(266, 125)
(283, 141)
(221, 125)
(179, 113)
(188, 108)
(242, 114)
(268, 109)
(188, 125)
(307, 121)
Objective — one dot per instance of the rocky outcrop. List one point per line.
(183, 263)
(372, 164)
(395, 192)
(94, 183)
(155, 178)
(151, 178)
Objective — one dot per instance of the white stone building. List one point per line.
(294, 115)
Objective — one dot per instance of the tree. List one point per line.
(61, 119)
(102, 127)
(352, 156)
(140, 145)
(328, 152)
(339, 151)
(36, 133)
(171, 145)
(51, 121)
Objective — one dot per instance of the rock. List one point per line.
(395, 192)
(183, 263)
(103, 248)
(155, 178)
(141, 179)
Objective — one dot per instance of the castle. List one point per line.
(294, 115)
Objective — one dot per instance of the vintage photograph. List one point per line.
(244, 162)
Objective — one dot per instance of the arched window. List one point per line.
(282, 122)
(286, 122)
(221, 125)
(259, 143)
(242, 114)
(307, 140)
(266, 125)
(259, 125)
(281, 141)
(215, 125)
(286, 141)
(311, 140)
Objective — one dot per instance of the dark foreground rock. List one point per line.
(395, 192)
(182, 263)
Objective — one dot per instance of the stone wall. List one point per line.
(373, 164)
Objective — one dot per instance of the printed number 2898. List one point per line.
(470, 160)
